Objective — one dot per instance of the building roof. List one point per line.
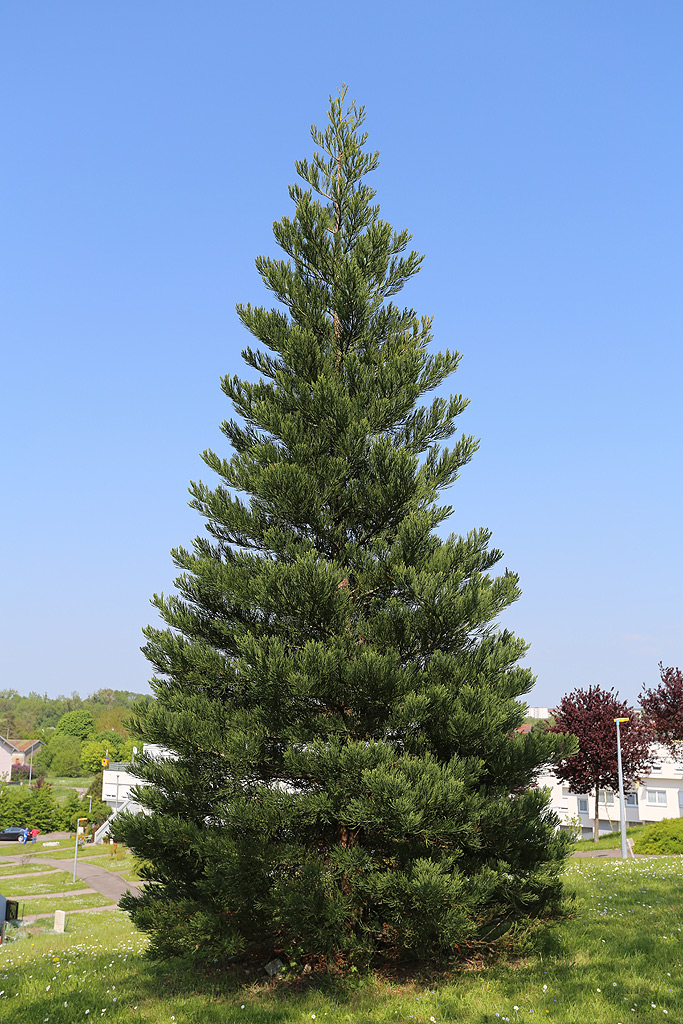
(24, 745)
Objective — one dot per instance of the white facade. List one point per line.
(118, 780)
(656, 796)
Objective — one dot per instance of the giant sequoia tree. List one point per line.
(339, 700)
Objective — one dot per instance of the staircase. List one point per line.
(103, 830)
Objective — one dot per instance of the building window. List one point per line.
(656, 796)
(583, 805)
(631, 799)
(606, 796)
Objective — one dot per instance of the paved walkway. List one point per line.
(617, 853)
(108, 883)
(98, 879)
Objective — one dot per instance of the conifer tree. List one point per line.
(338, 699)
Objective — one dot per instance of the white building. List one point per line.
(654, 797)
(118, 780)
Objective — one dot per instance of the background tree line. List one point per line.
(76, 732)
(27, 717)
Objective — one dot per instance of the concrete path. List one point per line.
(108, 883)
(617, 853)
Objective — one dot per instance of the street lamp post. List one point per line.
(78, 821)
(622, 804)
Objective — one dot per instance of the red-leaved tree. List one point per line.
(663, 706)
(589, 715)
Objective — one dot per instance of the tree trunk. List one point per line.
(596, 821)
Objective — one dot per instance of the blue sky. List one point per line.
(535, 152)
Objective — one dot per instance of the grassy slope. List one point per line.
(611, 841)
(619, 952)
(63, 787)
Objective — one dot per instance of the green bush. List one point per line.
(660, 837)
(92, 752)
(60, 756)
(74, 808)
(79, 723)
(35, 807)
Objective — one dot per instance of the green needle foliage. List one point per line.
(331, 680)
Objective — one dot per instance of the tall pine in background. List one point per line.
(339, 702)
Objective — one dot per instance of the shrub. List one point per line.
(33, 807)
(660, 837)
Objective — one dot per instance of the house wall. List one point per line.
(24, 756)
(5, 763)
(659, 796)
(118, 779)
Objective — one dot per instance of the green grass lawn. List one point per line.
(41, 848)
(616, 958)
(28, 905)
(59, 881)
(17, 869)
(54, 848)
(63, 788)
(123, 863)
(86, 852)
(611, 841)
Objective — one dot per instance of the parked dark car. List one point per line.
(11, 834)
